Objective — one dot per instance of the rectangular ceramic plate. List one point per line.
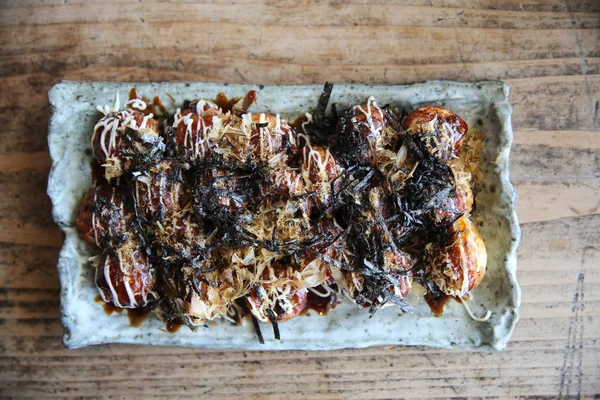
(483, 105)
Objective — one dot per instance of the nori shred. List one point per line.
(256, 324)
(430, 191)
(322, 127)
(319, 115)
(273, 318)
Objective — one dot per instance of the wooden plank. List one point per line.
(299, 15)
(387, 45)
(568, 102)
(13, 231)
(19, 161)
(547, 162)
(48, 350)
(198, 67)
(567, 180)
(24, 121)
(322, 381)
(509, 5)
(541, 201)
(581, 140)
(28, 266)
(25, 209)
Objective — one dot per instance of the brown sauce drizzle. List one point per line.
(297, 124)
(151, 106)
(133, 94)
(437, 302)
(109, 307)
(321, 305)
(137, 315)
(173, 325)
(157, 103)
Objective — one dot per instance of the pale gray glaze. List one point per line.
(483, 105)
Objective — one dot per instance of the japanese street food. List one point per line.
(216, 212)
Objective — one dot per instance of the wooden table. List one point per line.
(548, 51)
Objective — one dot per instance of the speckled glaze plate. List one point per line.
(485, 107)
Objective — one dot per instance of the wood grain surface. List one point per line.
(547, 50)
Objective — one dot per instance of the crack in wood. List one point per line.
(574, 348)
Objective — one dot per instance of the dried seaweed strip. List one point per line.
(273, 319)
(256, 325)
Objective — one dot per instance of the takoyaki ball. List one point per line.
(396, 272)
(200, 298)
(396, 166)
(463, 179)
(454, 206)
(205, 290)
(279, 295)
(191, 127)
(181, 235)
(381, 205)
(364, 131)
(266, 138)
(218, 189)
(440, 131)
(125, 276)
(122, 139)
(319, 170)
(279, 225)
(104, 218)
(332, 234)
(326, 260)
(254, 140)
(318, 164)
(433, 197)
(160, 190)
(459, 201)
(458, 265)
(398, 265)
(284, 181)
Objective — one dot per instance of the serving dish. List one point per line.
(483, 105)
